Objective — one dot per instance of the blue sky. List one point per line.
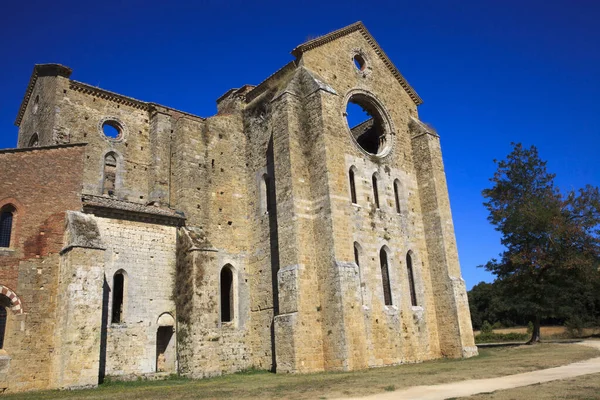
(489, 72)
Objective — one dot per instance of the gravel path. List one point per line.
(476, 386)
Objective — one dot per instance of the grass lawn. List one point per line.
(263, 385)
(584, 387)
(547, 332)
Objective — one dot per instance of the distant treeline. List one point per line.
(578, 306)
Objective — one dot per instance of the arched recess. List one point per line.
(227, 293)
(385, 275)
(266, 194)
(119, 298)
(165, 343)
(375, 179)
(109, 173)
(358, 257)
(411, 278)
(8, 301)
(352, 181)
(34, 141)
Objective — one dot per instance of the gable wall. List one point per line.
(372, 228)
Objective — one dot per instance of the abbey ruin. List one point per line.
(139, 240)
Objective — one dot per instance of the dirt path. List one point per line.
(475, 386)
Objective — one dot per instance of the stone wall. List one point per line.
(145, 254)
(41, 184)
(374, 228)
(209, 185)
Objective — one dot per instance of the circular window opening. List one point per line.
(359, 62)
(112, 129)
(366, 124)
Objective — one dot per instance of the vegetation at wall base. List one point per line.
(501, 337)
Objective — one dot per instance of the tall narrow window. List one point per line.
(375, 191)
(118, 298)
(397, 195)
(357, 261)
(34, 141)
(3, 316)
(352, 185)
(110, 174)
(385, 277)
(268, 194)
(6, 224)
(226, 294)
(411, 280)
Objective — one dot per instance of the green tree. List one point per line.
(552, 240)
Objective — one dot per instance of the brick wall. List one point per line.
(42, 184)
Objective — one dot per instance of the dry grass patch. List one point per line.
(262, 385)
(584, 387)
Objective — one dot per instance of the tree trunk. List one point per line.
(535, 335)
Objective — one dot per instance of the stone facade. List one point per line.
(273, 235)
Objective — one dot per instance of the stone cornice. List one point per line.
(158, 108)
(358, 26)
(42, 148)
(108, 207)
(108, 95)
(40, 70)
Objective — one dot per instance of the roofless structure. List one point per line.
(282, 233)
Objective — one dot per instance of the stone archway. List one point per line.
(15, 302)
(165, 344)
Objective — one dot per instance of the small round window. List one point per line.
(359, 62)
(112, 129)
(368, 126)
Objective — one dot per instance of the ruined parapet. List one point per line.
(37, 114)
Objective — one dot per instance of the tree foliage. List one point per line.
(552, 239)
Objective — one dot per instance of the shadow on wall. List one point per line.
(274, 245)
(103, 331)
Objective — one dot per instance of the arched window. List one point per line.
(385, 277)
(375, 191)
(7, 214)
(110, 174)
(352, 185)
(227, 294)
(411, 280)
(34, 141)
(118, 306)
(3, 316)
(397, 195)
